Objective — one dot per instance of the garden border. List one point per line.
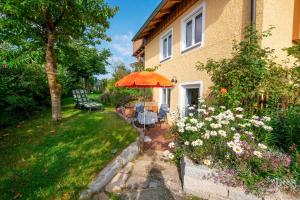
(195, 181)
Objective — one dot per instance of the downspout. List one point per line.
(253, 13)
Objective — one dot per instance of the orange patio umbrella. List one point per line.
(144, 80)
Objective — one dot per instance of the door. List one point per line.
(189, 95)
(192, 96)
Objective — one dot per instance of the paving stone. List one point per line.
(117, 183)
(135, 182)
(149, 194)
(128, 168)
(239, 193)
(154, 184)
(100, 196)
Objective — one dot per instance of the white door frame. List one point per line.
(182, 94)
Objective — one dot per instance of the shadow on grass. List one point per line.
(59, 161)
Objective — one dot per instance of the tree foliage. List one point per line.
(46, 26)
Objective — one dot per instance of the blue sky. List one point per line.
(131, 16)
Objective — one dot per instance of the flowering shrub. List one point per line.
(230, 140)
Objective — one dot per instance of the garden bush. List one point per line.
(236, 143)
(23, 90)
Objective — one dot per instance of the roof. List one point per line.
(157, 13)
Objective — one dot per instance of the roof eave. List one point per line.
(161, 4)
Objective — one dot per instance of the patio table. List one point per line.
(150, 118)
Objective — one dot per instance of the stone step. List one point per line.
(158, 193)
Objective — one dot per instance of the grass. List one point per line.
(42, 160)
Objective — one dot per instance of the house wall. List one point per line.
(224, 22)
(280, 14)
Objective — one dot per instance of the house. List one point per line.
(181, 32)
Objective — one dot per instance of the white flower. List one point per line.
(203, 106)
(194, 121)
(222, 133)
(201, 110)
(211, 109)
(248, 133)
(262, 146)
(171, 145)
(239, 109)
(194, 129)
(191, 108)
(208, 119)
(201, 100)
(257, 123)
(166, 153)
(191, 114)
(232, 128)
(266, 118)
(197, 142)
(186, 143)
(268, 128)
(181, 130)
(223, 107)
(215, 126)
(231, 144)
(225, 122)
(240, 116)
(257, 153)
(180, 124)
(213, 133)
(237, 149)
(207, 162)
(255, 117)
(237, 136)
(200, 125)
(171, 156)
(206, 135)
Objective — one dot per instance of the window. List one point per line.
(166, 96)
(166, 46)
(192, 29)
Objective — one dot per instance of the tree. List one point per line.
(119, 70)
(82, 61)
(46, 25)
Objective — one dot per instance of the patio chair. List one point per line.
(139, 107)
(82, 101)
(162, 113)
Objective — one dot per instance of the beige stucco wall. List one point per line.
(224, 21)
(278, 13)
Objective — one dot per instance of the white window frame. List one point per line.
(191, 16)
(166, 35)
(168, 90)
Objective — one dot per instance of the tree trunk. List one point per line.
(54, 85)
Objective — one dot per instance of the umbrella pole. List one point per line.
(144, 109)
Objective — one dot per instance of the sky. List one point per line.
(131, 16)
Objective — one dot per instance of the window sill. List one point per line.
(191, 47)
(165, 59)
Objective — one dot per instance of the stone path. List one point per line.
(149, 177)
(160, 137)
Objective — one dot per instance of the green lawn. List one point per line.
(41, 160)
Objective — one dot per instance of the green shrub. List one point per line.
(23, 90)
(287, 128)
